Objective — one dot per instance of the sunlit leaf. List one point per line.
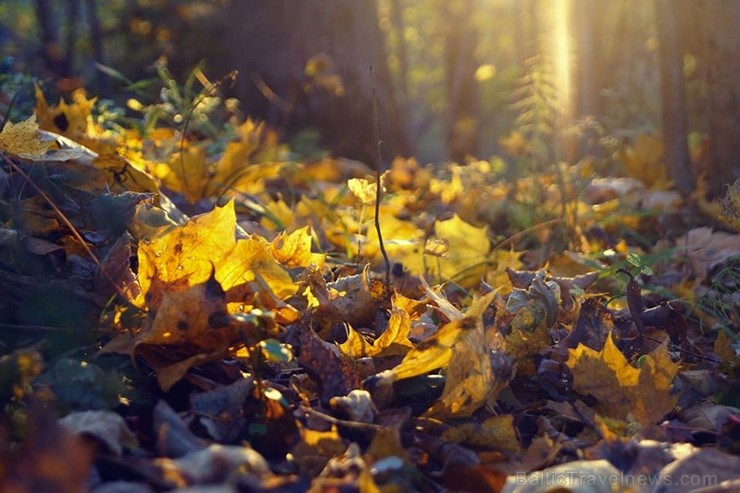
(23, 138)
(467, 259)
(621, 389)
(393, 341)
(294, 249)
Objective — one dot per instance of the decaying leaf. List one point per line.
(621, 389)
(531, 314)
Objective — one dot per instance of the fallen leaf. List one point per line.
(393, 341)
(22, 139)
(621, 389)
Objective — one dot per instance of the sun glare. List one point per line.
(563, 60)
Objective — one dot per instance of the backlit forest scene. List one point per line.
(369, 246)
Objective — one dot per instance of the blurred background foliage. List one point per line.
(532, 81)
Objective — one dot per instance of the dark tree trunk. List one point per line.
(719, 21)
(305, 64)
(462, 87)
(52, 52)
(98, 46)
(73, 21)
(673, 97)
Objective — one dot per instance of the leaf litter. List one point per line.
(173, 319)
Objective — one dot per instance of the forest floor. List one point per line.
(182, 310)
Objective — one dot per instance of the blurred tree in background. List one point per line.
(533, 81)
(315, 72)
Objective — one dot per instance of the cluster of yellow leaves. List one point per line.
(463, 348)
(193, 277)
(191, 172)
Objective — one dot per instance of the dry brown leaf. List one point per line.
(621, 389)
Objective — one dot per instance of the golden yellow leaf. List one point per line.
(436, 351)
(468, 257)
(363, 190)
(294, 249)
(192, 317)
(251, 259)
(622, 389)
(393, 341)
(188, 172)
(413, 307)
(71, 120)
(22, 139)
(401, 239)
(469, 377)
(251, 178)
(185, 256)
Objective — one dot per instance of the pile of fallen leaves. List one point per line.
(184, 313)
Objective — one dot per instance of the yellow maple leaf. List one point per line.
(467, 259)
(620, 388)
(202, 290)
(71, 120)
(294, 249)
(251, 259)
(22, 139)
(393, 341)
(188, 172)
(185, 256)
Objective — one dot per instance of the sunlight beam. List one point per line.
(562, 57)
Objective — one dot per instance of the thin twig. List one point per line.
(343, 422)
(49, 328)
(378, 186)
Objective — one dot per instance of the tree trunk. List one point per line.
(462, 87)
(719, 21)
(588, 27)
(52, 52)
(675, 127)
(98, 46)
(305, 64)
